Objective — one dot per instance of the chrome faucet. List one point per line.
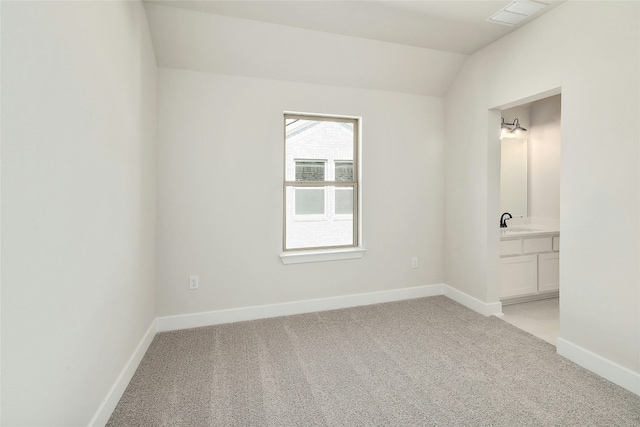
(503, 220)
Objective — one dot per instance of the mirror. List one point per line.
(513, 176)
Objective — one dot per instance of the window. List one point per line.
(320, 183)
(310, 201)
(309, 170)
(344, 171)
(344, 201)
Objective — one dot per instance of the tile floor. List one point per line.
(539, 318)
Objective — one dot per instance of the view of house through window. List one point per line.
(320, 182)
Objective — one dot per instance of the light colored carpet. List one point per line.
(422, 362)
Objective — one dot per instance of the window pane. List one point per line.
(309, 141)
(309, 170)
(344, 201)
(317, 152)
(344, 171)
(319, 234)
(322, 229)
(309, 201)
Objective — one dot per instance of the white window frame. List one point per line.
(311, 254)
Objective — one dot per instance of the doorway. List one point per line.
(529, 286)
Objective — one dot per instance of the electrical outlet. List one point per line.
(194, 282)
(414, 262)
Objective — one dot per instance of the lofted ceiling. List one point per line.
(404, 46)
(450, 25)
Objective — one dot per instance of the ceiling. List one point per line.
(415, 47)
(457, 26)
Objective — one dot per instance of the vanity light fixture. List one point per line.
(517, 130)
(507, 132)
(504, 129)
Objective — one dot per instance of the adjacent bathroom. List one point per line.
(530, 216)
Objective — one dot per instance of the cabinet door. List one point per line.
(518, 276)
(549, 272)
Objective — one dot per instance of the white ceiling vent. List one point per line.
(516, 12)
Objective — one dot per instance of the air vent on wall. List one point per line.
(516, 12)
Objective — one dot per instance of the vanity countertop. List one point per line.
(519, 228)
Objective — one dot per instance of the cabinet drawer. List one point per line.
(510, 247)
(556, 243)
(540, 244)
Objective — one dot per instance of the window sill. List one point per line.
(321, 255)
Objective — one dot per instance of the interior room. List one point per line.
(530, 159)
(143, 188)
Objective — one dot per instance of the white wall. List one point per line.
(544, 158)
(220, 161)
(0, 218)
(78, 200)
(591, 50)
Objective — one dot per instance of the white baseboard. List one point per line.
(615, 373)
(218, 317)
(195, 320)
(486, 309)
(112, 398)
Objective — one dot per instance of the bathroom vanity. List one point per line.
(529, 262)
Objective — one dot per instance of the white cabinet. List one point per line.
(519, 276)
(549, 272)
(529, 266)
(536, 244)
(511, 247)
